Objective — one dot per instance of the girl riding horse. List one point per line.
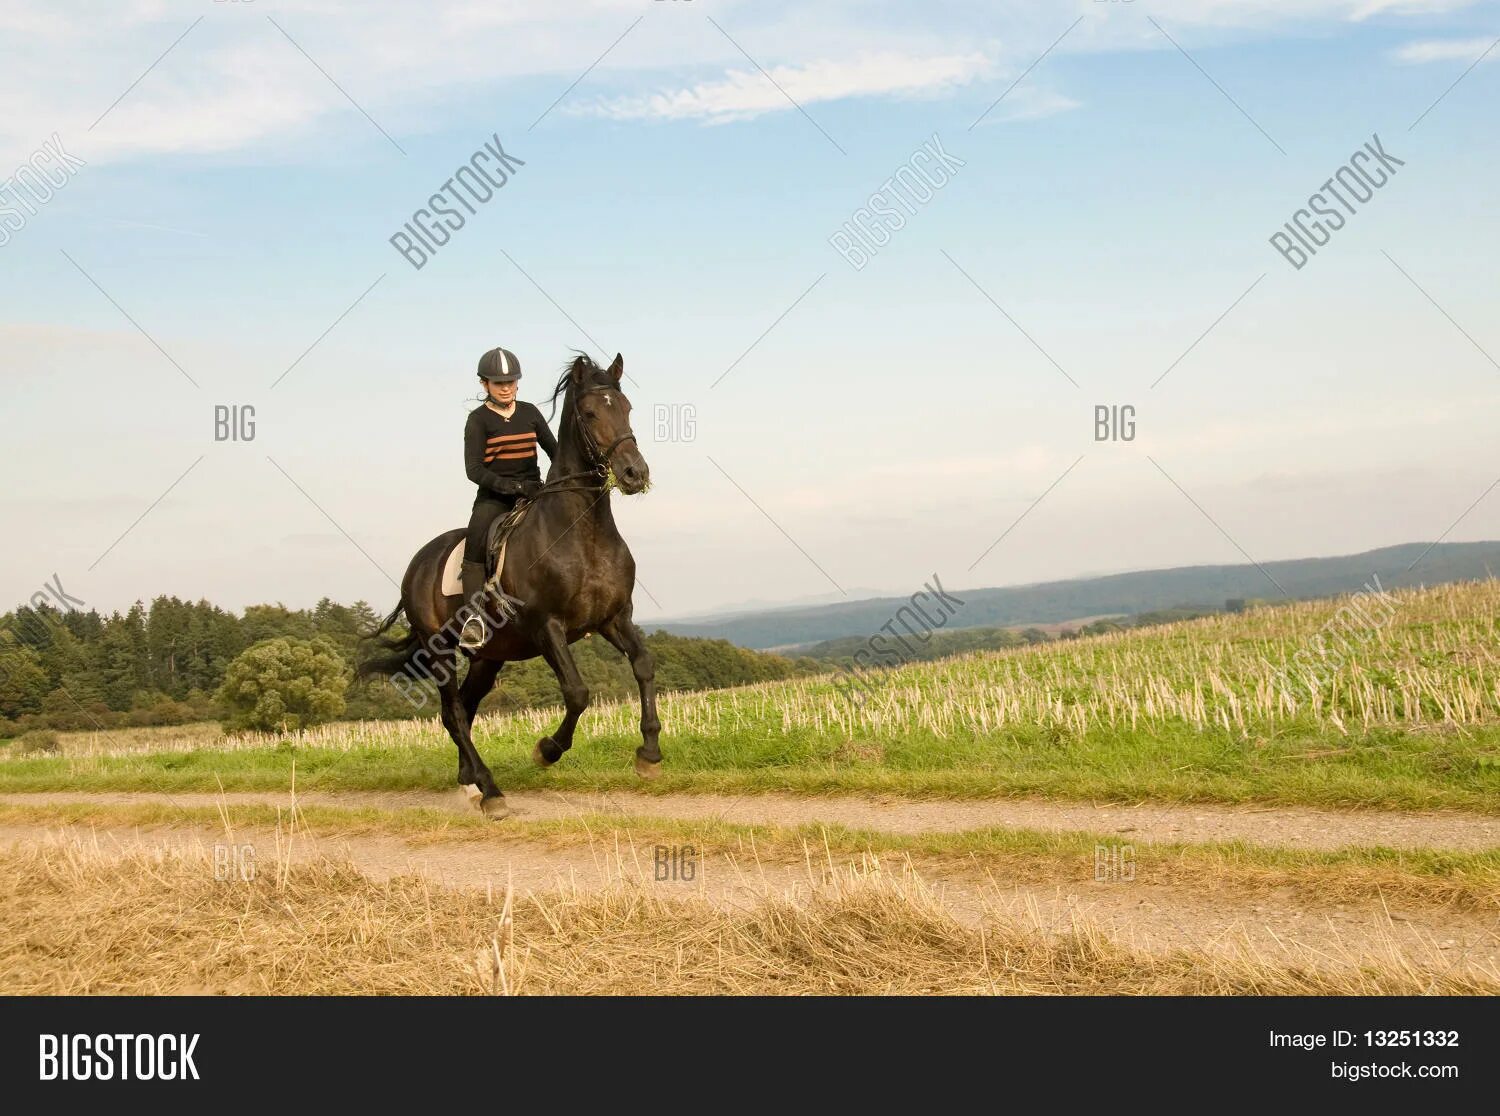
(567, 570)
(500, 442)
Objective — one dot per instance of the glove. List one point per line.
(530, 489)
(508, 486)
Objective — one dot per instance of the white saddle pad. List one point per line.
(453, 569)
(453, 582)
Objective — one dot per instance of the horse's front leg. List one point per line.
(552, 639)
(622, 632)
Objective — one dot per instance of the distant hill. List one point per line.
(1117, 594)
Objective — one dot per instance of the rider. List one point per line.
(500, 441)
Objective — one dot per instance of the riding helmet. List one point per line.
(499, 366)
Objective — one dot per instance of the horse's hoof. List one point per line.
(495, 808)
(473, 794)
(646, 769)
(546, 752)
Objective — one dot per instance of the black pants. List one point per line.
(487, 509)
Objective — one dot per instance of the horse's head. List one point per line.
(602, 413)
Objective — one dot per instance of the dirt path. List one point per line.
(1287, 827)
(1152, 917)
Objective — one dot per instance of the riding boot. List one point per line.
(476, 631)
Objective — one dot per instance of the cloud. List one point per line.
(1446, 50)
(234, 84)
(1028, 102)
(125, 80)
(1272, 14)
(745, 93)
(1365, 9)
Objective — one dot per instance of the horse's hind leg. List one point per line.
(553, 642)
(477, 684)
(471, 768)
(621, 632)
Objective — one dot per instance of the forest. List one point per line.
(164, 663)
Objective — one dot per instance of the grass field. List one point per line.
(401, 893)
(1407, 717)
(76, 921)
(1433, 877)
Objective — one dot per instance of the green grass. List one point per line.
(1388, 768)
(1405, 713)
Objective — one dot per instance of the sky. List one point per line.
(227, 178)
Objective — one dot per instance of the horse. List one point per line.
(567, 573)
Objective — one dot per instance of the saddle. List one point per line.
(500, 532)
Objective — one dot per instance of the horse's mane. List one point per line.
(581, 362)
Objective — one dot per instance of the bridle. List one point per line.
(600, 457)
(598, 476)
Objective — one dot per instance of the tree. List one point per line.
(123, 657)
(262, 622)
(23, 682)
(284, 684)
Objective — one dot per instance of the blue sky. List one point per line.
(674, 204)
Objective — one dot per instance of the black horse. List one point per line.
(568, 570)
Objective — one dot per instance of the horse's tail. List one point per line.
(392, 654)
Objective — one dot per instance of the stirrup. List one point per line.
(474, 634)
(507, 606)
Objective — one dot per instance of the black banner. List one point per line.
(197, 1050)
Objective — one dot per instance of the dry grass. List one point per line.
(75, 920)
(1429, 879)
(132, 741)
(1435, 662)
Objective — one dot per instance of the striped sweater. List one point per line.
(500, 452)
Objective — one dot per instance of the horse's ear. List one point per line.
(617, 369)
(580, 367)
